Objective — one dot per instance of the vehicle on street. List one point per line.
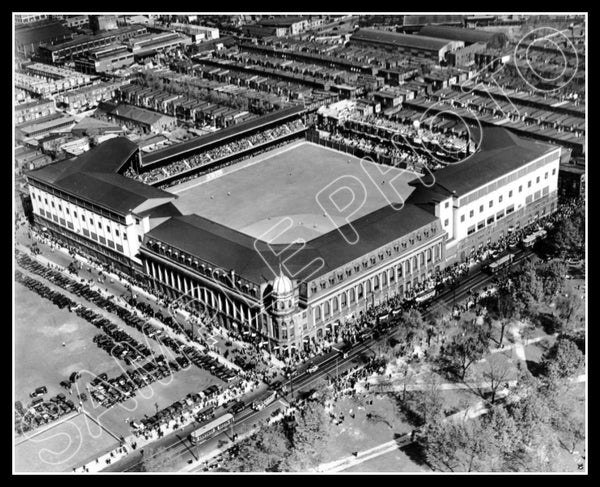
(312, 369)
(211, 428)
(264, 401)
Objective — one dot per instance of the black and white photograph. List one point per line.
(317, 243)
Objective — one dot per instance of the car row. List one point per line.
(211, 364)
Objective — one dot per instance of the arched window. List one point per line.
(343, 299)
(376, 282)
(326, 309)
(368, 288)
(360, 291)
(352, 296)
(335, 305)
(317, 313)
(384, 279)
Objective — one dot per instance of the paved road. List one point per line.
(329, 365)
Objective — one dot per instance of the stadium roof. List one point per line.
(469, 36)
(501, 152)
(400, 40)
(93, 176)
(254, 259)
(204, 140)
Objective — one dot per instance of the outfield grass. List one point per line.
(302, 181)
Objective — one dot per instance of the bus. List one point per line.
(264, 401)
(500, 263)
(211, 428)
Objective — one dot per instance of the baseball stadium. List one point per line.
(276, 238)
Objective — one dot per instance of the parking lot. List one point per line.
(66, 345)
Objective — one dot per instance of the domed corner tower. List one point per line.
(281, 304)
(282, 296)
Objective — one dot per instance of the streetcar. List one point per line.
(500, 263)
(425, 295)
(211, 428)
(529, 241)
(264, 401)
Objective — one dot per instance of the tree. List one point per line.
(308, 436)
(496, 372)
(265, 451)
(502, 309)
(563, 360)
(412, 328)
(552, 275)
(569, 308)
(438, 320)
(439, 441)
(567, 238)
(429, 402)
(467, 346)
(458, 446)
(528, 288)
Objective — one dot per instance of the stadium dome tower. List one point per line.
(282, 302)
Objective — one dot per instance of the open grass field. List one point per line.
(63, 446)
(306, 188)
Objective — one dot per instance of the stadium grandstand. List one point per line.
(167, 165)
(261, 246)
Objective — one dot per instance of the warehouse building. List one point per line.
(412, 45)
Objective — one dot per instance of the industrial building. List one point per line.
(418, 46)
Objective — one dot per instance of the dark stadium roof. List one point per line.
(203, 140)
(93, 176)
(41, 32)
(400, 40)
(501, 152)
(230, 249)
(469, 36)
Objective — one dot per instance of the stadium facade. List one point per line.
(293, 296)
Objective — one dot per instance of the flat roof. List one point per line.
(400, 40)
(36, 33)
(501, 152)
(87, 38)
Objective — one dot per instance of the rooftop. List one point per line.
(256, 260)
(500, 153)
(138, 114)
(400, 40)
(93, 176)
(221, 135)
(469, 36)
(41, 32)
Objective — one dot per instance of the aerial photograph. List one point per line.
(320, 243)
